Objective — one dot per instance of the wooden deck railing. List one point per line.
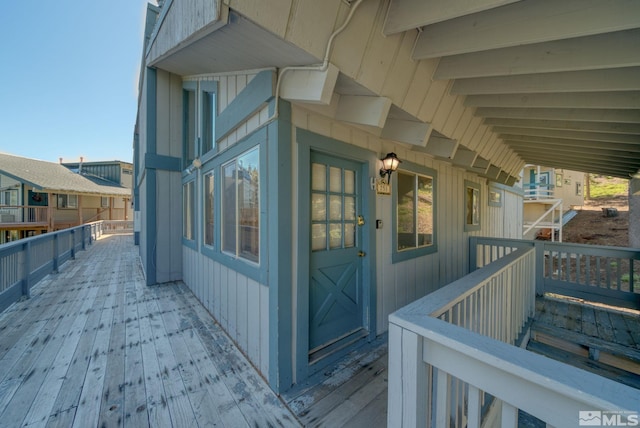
(23, 214)
(449, 364)
(26, 261)
(609, 275)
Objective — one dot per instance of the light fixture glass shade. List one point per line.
(390, 162)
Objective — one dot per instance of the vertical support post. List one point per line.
(509, 416)
(56, 253)
(26, 283)
(414, 381)
(474, 407)
(82, 237)
(443, 399)
(539, 270)
(473, 253)
(73, 243)
(395, 399)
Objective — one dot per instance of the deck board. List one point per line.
(94, 346)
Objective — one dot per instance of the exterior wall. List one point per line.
(400, 283)
(634, 212)
(568, 191)
(238, 303)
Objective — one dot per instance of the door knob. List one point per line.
(361, 254)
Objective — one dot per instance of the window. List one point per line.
(241, 206)
(199, 117)
(67, 201)
(209, 207)
(471, 206)
(104, 202)
(208, 121)
(9, 197)
(414, 214)
(189, 125)
(188, 195)
(578, 188)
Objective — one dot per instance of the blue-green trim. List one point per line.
(308, 141)
(259, 91)
(472, 227)
(279, 203)
(257, 272)
(165, 163)
(400, 256)
(211, 250)
(151, 184)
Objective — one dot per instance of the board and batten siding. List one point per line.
(403, 282)
(239, 304)
(382, 64)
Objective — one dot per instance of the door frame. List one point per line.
(307, 142)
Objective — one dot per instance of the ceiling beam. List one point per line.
(607, 100)
(406, 131)
(623, 141)
(608, 127)
(570, 152)
(404, 15)
(615, 79)
(441, 146)
(583, 158)
(611, 50)
(548, 159)
(309, 86)
(594, 115)
(364, 110)
(525, 23)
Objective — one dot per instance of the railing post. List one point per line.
(539, 271)
(82, 229)
(56, 252)
(26, 283)
(73, 243)
(473, 253)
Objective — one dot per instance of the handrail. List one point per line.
(26, 261)
(453, 346)
(609, 275)
(552, 210)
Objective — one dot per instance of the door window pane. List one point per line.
(318, 177)
(335, 207)
(318, 207)
(349, 181)
(335, 236)
(318, 237)
(335, 179)
(349, 235)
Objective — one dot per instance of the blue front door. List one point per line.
(336, 298)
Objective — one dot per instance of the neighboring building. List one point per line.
(257, 149)
(550, 195)
(38, 197)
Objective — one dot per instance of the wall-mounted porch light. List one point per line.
(389, 164)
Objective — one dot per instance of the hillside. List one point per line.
(590, 226)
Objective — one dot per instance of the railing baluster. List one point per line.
(509, 416)
(474, 407)
(443, 403)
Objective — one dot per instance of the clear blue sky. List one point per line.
(69, 73)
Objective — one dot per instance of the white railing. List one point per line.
(550, 219)
(538, 191)
(23, 214)
(117, 226)
(452, 362)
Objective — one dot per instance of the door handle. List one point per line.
(361, 254)
(360, 220)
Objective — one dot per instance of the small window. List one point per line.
(104, 202)
(189, 126)
(208, 121)
(578, 188)
(414, 213)
(241, 206)
(188, 195)
(9, 197)
(67, 201)
(471, 206)
(209, 207)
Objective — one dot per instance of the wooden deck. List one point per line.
(95, 347)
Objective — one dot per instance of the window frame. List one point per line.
(186, 240)
(66, 205)
(471, 227)
(255, 271)
(211, 172)
(408, 254)
(200, 90)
